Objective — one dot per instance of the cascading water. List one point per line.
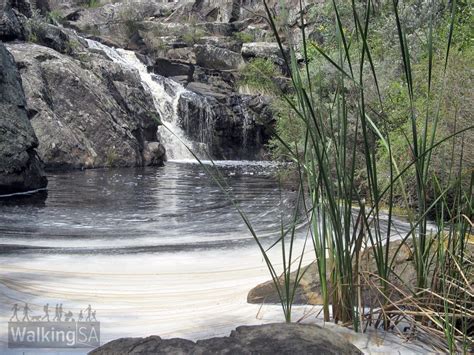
(166, 95)
(198, 119)
(246, 126)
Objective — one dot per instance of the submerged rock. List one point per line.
(20, 168)
(277, 338)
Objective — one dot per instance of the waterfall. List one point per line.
(167, 95)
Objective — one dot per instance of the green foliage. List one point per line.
(158, 30)
(33, 27)
(454, 109)
(387, 119)
(288, 129)
(258, 76)
(72, 46)
(83, 57)
(244, 37)
(463, 37)
(112, 157)
(90, 3)
(311, 52)
(193, 35)
(54, 17)
(94, 3)
(32, 37)
(382, 41)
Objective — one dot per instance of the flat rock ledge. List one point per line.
(277, 338)
(308, 291)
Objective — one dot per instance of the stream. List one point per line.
(153, 250)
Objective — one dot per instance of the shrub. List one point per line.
(90, 3)
(193, 35)
(111, 157)
(54, 17)
(244, 37)
(396, 132)
(258, 76)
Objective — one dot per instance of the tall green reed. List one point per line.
(342, 218)
(340, 215)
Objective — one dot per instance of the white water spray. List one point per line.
(166, 94)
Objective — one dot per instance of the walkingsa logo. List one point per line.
(63, 329)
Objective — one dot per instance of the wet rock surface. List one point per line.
(234, 126)
(277, 338)
(20, 167)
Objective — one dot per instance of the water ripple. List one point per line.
(172, 208)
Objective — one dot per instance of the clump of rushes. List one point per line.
(341, 216)
(257, 77)
(344, 216)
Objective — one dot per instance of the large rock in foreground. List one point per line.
(20, 168)
(278, 338)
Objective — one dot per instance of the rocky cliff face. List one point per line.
(89, 113)
(10, 26)
(197, 44)
(20, 168)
